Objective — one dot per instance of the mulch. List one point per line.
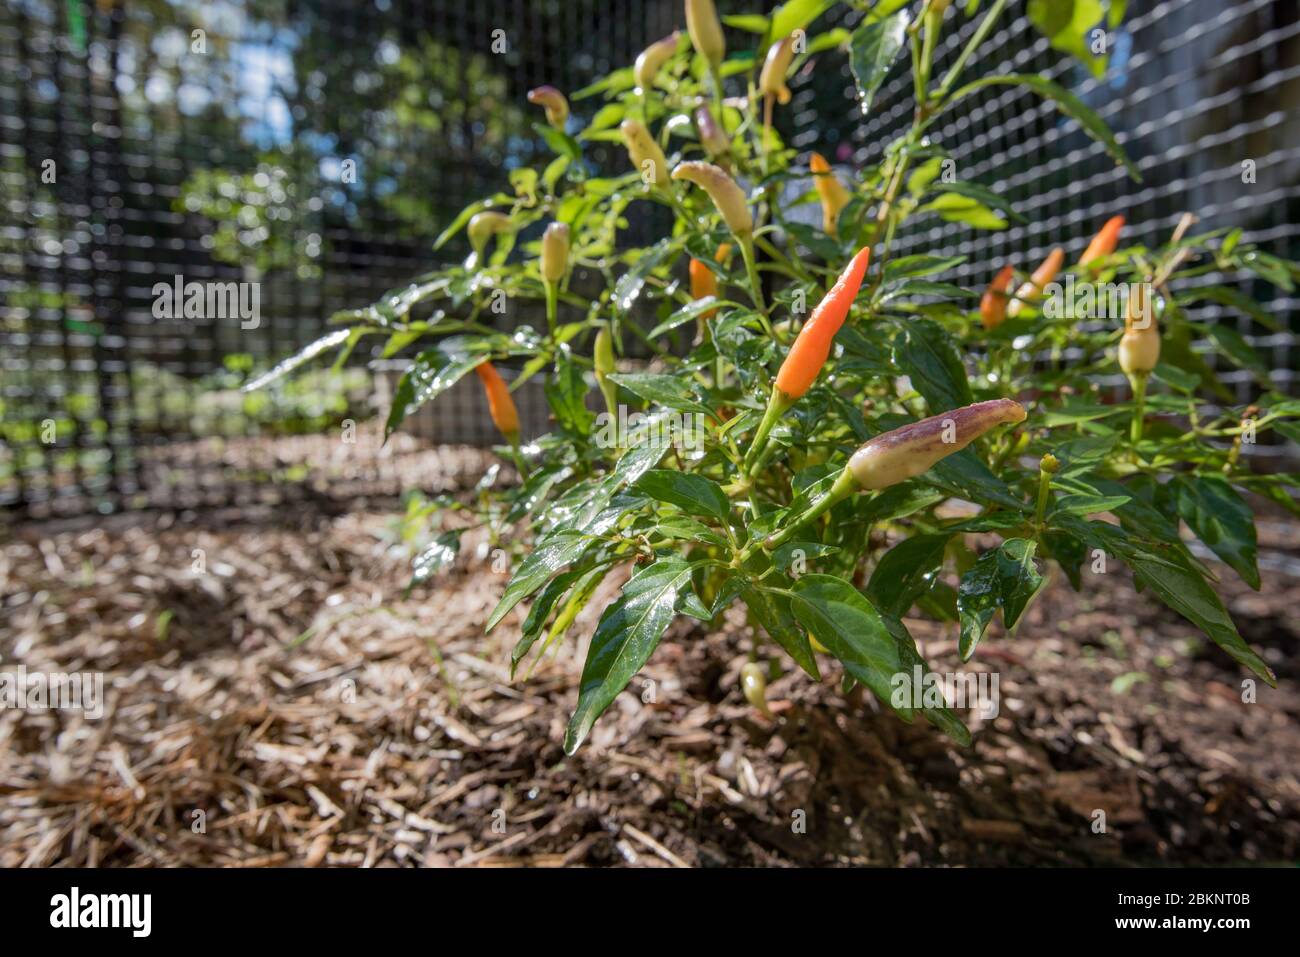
(290, 705)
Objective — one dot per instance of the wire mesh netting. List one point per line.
(312, 152)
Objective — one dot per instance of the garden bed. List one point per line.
(391, 733)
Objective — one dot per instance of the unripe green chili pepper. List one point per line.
(706, 31)
(482, 227)
(553, 101)
(753, 682)
(904, 453)
(643, 150)
(722, 189)
(810, 350)
(555, 252)
(652, 58)
(603, 360)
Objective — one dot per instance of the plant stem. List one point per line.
(1044, 492)
(1139, 384)
(776, 407)
(978, 37)
(844, 486)
(755, 284)
(552, 301)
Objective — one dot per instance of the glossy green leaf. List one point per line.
(1221, 519)
(873, 50)
(540, 565)
(1005, 578)
(628, 633)
(906, 572)
(690, 492)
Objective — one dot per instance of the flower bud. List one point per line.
(1139, 347)
(712, 138)
(553, 101)
(652, 58)
(771, 81)
(1049, 463)
(913, 449)
(722, 189)
(833, 195)
(555, 252)
(483, 226)
(706, 31)
(1033, 289)
(643, 150)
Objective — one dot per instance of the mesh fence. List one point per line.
(314, 150)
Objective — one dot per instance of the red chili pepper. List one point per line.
(1104, 243)
(813, 345)
(502, 408)
(993, 307)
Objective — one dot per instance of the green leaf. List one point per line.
(956, 208)
(1005, 578)
(430, 374)
(628, 633)
(906, 572)
(1221, 519)
(981, 194)
(688, 312)
(873, 48)
(667, 390)
(1089, 504)
(795, 15)
(538, 567)
(1067, 103)
(436, 556)
(874, 647)
(772, 611)
(843, 620)
(628, 288)
(566, 393)
(1172, 579)
(560, 142)
(1067, 24)
(689, 492)
(928, 356)
(1234, 346)
(303, 356)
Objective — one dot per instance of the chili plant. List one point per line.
(819, 429)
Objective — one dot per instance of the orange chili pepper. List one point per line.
(1044, 274)
(704, 282)
(502, 408)
(813, 344)
(993, 306)
(1104, 243)
(809, 353)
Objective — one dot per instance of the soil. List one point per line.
(290, 705)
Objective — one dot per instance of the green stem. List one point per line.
(1044, 492)
(755, 284)
(844, 486)
(552, 302)
(981, 33)
(776, 407)
(1139, 384)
